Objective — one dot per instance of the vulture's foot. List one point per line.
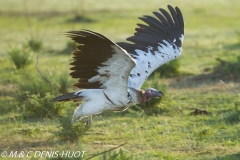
(88, 122)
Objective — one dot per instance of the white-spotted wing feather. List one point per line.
(117, 70)
(147, 62)
(155, 44)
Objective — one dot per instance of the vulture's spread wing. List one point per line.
(154, 44)
(99, 63)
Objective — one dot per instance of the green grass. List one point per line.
(168, 131)
(34, 44)
(20, 57)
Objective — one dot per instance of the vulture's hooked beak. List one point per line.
(152, 93)
(160, 94)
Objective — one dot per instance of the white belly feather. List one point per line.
(98, 100)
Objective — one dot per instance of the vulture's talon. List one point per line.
(88, 122)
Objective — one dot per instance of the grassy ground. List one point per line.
(211, 31)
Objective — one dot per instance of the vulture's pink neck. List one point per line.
(144, 97)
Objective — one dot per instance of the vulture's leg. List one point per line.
(77, 114)
(88, 122)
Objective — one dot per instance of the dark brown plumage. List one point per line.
(67, 97)
(163, 27)
(93, 49)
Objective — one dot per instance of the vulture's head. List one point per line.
(152, 93)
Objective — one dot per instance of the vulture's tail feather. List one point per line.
(67, 97)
